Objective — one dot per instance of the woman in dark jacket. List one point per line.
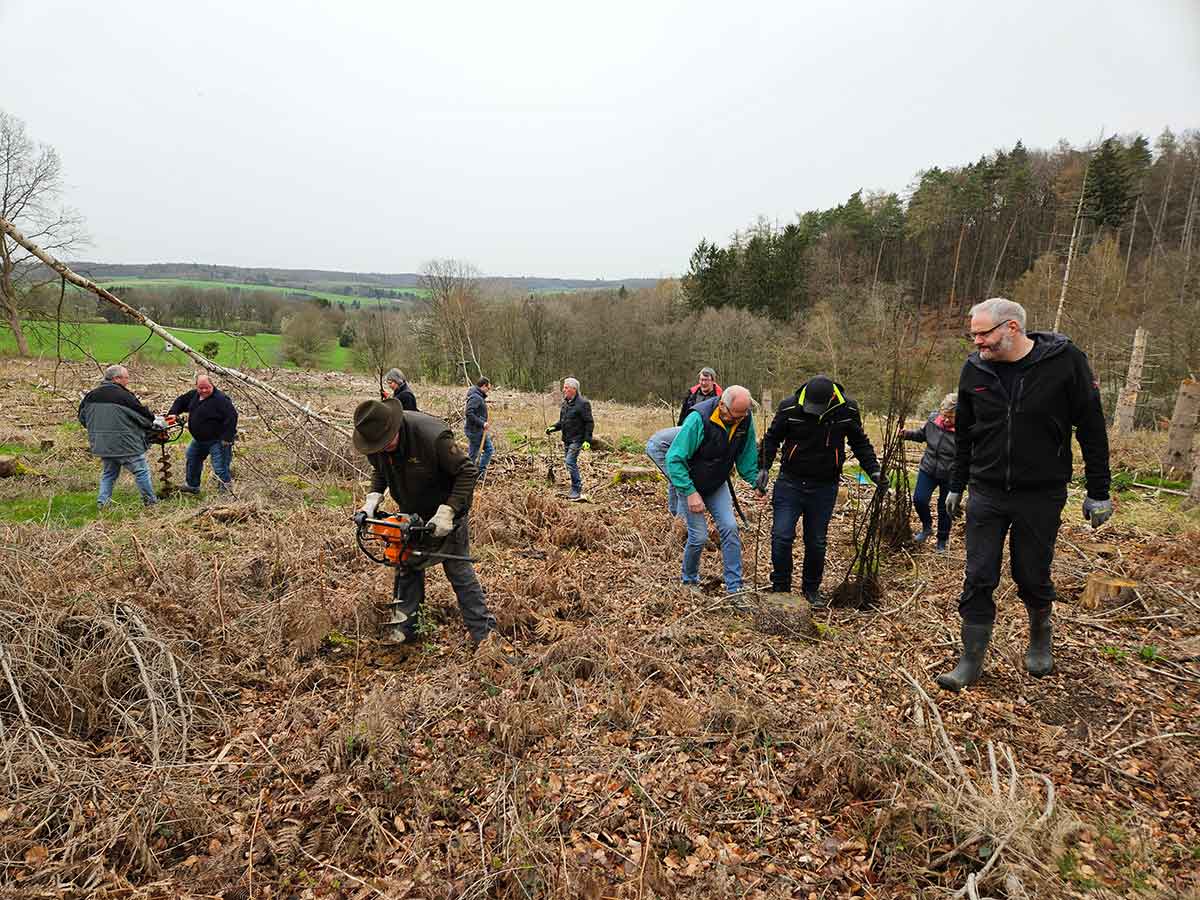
(936, 465)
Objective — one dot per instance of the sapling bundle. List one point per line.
(883, 521)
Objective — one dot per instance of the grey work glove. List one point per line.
(159, 423)
(877, 477)
(1097, 511)
(953, 503)
(442, 521)
(761, 484)
(370, 504)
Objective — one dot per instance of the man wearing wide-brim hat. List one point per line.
(415, 458)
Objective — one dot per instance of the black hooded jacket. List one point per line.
(814, 447)
(1022, 441)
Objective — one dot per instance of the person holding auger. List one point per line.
(1019, 396)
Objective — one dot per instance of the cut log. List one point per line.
(1178, 458)
(787, 615)
(636, 473)
(1127, 402)
(1102, 587)
(8, 466)
(602, 443)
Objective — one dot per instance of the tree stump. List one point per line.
(786, 615)
(1101, 587)
(8, 466)
(636, 473)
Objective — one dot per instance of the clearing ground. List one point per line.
(192, 701)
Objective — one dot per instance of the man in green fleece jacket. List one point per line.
(716, 436)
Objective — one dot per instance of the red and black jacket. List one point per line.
(693, 396)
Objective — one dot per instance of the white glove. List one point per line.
(160, 423)
(370, 504)
(443, 521)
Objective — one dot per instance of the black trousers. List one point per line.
(1031, 520)
(408, 591)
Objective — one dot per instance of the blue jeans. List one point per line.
(571, 458)
(793, 499)
(921, 497)
(720, 504)
(473, 444)
(198, 451)
(656, 449)
(110, 469)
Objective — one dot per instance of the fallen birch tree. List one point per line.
(88, 285)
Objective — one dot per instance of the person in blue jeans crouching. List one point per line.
(716, 437)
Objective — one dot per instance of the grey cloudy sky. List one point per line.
(546, 138)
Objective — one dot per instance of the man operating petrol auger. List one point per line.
(432, 481)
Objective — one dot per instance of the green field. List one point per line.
(111, 283)
(113, 342)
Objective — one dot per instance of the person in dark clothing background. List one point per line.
(476, 425)
(1019, 397)
(575, 423)
(936, 465)
(212, 422)
(809, 431)
(395, 386)
(705, 388)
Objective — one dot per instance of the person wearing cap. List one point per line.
(809, 432)
(395, 386)
(476, 425)
(576, 424)
(1020, 395)
(705, 388)
(936, 465)
(716, 438)
(415, 458)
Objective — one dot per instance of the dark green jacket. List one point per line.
(426, 469)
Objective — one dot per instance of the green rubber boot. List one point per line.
(975, 640)
(1038, 658)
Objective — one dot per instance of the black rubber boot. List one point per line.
(975, 639)
(1038, 659)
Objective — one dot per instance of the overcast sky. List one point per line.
(540, 138)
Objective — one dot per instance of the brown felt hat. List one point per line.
(376, 422)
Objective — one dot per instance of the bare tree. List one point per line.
(453, 302)
(30, 192)
(379, 339)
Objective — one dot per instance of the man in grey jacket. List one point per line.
(117, 424)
